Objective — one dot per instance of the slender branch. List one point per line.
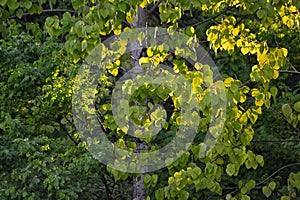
(283, 140)
(246, 83)
(283, 117)
(154, 6)
(289, 72)
(46, 11)
(287, 60)
(213, 17)
(262, 182)
(286, 166)
(107, 189)
(65, 129)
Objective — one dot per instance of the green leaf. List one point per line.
(147, 179)
(230, 169)
(66, 18)
(183, 195)
(159, 194)
(104, 12)
(49, 21)
(266, 191)
(297, 106)
(19, 13)
(123, 6)
(154, 179)
(27, 4)
(83, 45)
(3, 2)
(294, 180)
(273, 91)
(287, 110)
(261, 14)
(196, 172)
(272, 185)
(13, 4)
(260, 160)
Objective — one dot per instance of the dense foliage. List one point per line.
(255, 45)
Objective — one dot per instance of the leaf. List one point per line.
(261, 14)
(149, 52)
(227, 81)
(196, 172)
(27, 4)
(154, 179)
(104, 12)
(230, 169)
(273, 91)
(49, 21)
(287, 110)
(297, 106)
(147, 179)
(272, 185)
(183, 195)
(266, 191)
(245, 50)
(143, 4)
(19, 13)
(3, 2)
(285, 52)
(144, 60)
(66, 18)
(13, 4)
(294, 180)
(83, 45)
(159, 194)
(285, 198)
(123, 6)
(260, 160)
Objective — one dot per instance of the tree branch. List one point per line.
(46, 11)
(286, 166)
(154, 6)
(289, 72)
(247, 82)
(67, 133)
(282, 140)
(283, 117)
(287, 60)
(213, 17)
(262, 182)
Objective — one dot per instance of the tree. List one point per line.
(254, 45)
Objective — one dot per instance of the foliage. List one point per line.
(255, 45)
(41, 157)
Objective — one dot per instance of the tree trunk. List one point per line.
(139, 192)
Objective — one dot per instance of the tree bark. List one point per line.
(139, 192)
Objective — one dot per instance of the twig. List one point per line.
(283, 117)
(247, 82)
(46, 11)
(289, 72)
(213, 17)
(154, 7)
(283, 140)
(287, 60)
(262, 182)
(286, 166)
(67, 133)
